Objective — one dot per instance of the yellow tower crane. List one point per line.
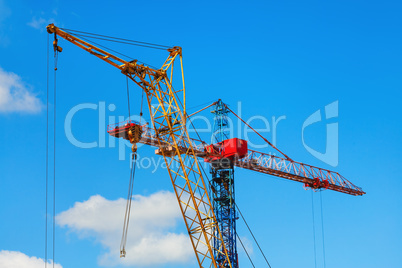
(168, 118)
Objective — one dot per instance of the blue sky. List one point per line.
(276, 59)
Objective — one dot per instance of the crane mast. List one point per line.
(223, 189)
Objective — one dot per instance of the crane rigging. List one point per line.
(182, 165)
(209, 219)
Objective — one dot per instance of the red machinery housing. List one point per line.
(317, 184)
(231, 148)
(121, 129)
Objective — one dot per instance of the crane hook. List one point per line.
(56, 49)
(55, 45)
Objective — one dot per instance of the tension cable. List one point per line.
(47, 149)
(322, 229)
(142, 101)
(287, 157)
(117, 39)
(128, 206)
(255, 240)
(128, 99)
(238, 237)
(57, 49)
(312, 209)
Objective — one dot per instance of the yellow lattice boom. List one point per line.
(168, 118)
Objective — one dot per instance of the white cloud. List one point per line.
(40, 23)
(151, 239)
(16, 259)
(248, 245)
(37, 23)
(14, 95)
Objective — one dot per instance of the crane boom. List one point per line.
(168, 118)
(311, 176)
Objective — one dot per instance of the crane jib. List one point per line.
(266, 163)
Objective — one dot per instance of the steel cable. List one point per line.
(238, 237)
(322, 229)
(121, 54)
(312, 209)
(54, 158)
(248, 227)
(116, 38)
(47, 149)
(127, 43)
(267, 141)
(128, 207)
(128, 99)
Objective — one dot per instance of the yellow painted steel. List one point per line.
(168, 117)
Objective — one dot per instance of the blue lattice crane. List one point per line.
(223, 190)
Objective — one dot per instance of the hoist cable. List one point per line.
(128, 207)
(142, 101)
(54, 159)
(128, 204)
(128, 99)
(238, 237)
(322, 229)
(116, 38)
(255, 240)
(47, 148)
(312, 209)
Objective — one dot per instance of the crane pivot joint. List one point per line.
(51, 28)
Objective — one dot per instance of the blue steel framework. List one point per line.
(223, 192)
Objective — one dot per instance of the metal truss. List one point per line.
(223, 192)
(169, 123)
(296, 171)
